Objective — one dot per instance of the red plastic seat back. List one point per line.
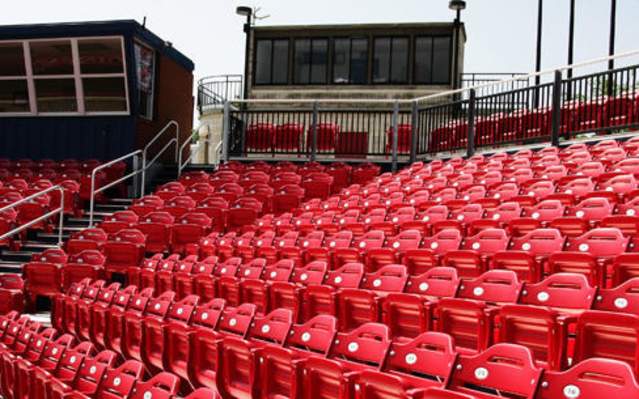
(505, 368)
(560, 290)
(368, 344)
(608, 335)
(494, 286)
(591, 379)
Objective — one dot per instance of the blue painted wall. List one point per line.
(81, 137)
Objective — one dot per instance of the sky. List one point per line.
(501, 33)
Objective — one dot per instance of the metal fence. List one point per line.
(214, 91)
(319, 131)
(491, 115)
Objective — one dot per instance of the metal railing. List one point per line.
(214, 91)
(59, 211)
(174, 141)
(487, 115)
(181, 165)
(136, 171)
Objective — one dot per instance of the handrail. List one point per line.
(176, 140)
(181, 165)
(47, 215)
(111, 184)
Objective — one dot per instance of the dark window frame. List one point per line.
(350, 39)
(328, 65)
(431, 82)
(288, 61)
(390, 81)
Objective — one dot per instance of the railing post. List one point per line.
(394, 136)
(314, 119)
(136, 180)
(226, 132)
(143, 178)
(556, 109)
(414, 132)
(470, 145)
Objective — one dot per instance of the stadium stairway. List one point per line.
(11, 261)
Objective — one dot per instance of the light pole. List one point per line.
(457, 6)
(540, 17)
(571, 46)
(248, 13)
(611, 47)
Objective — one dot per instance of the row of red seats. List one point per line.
(523, 125)
(41, 363)
(600, 254)
(242, 353)
(268, 137)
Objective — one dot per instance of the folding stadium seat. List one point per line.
(243, 212)
(48, 361)
(58, 300)
(607, 335)
(160, 386)
(126, 305)
(102, 295)
(622, 298)
(179, 205)
(119, 383)
(373, 239)
(591, 379)
(542, 330)
(237, 359)
(320, 299)
(473, 258)
(246, 249)
(100, 310)
(569, 293)
(263, 193)
(504, 369)
(460, 218)
(92, 238)
(132, 342)
(504, 191)
(544, 212)
(154, 343)
(288, 295)
(156, 226)
(285, 178)
(527, 255)
(43, 274)
(624, 268)
(468, 322)
(204, 344)
(177, 354)
(30, 211)
(119, 221)
(193, 177)
(65, 372)
(69, 304)
(146, 275)
(493, 287)
(590, 254)
(420, 260)
(124, 251)
(188, 230)
(147, 204)
(362, 349)
(11, 293)
(317, 185)
(87, 264)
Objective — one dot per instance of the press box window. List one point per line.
(390, 60)
(432, 60)
(271, 64)
(350, 61)
(311, 61)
